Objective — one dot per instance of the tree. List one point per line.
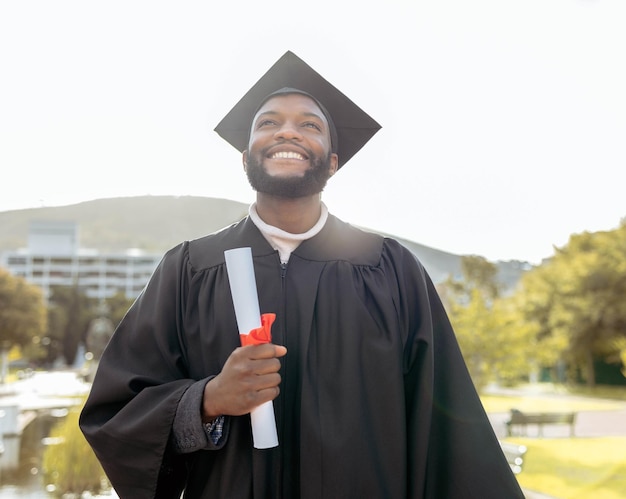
(118, 305)
(22, 311)
(70, 312)
(577, 300)
(490, 334)
(480, 275)
(534, 299)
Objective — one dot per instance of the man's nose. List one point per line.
(288, 131)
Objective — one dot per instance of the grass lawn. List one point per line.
(569, 468)
(575, 468)
(540, 402)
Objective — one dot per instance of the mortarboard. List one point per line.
(354, 127)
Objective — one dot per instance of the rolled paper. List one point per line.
(240, 271)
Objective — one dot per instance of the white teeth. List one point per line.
(287, 155)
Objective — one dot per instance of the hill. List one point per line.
(156, 223)
(151, 223)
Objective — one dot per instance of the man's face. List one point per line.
(289, 152)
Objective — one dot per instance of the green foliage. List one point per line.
(510, 344)
(534, 300)
(117, 306)
(576, 302)
(69, 314)
(492, 338)
(620, 347)
(22, 311)
(70, 466)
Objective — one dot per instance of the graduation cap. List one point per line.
(291, 74)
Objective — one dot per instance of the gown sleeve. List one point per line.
(453, 450)
(141, 377)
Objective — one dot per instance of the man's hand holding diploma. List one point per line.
(249, 378)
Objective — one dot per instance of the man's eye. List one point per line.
(265, 123)
(312, 125)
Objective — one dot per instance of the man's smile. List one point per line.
(287, 155)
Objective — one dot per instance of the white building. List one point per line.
(54, 258)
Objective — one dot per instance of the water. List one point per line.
(27, 480)
(35, 393)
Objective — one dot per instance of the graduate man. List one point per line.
(371, 396)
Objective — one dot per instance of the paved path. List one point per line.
(608, 423)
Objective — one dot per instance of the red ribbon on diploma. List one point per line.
(261, 334)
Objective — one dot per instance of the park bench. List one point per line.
(514, 455)
(539, 419)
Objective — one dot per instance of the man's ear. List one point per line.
(244, 160)
(334, 164)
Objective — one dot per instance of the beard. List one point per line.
(312, 182)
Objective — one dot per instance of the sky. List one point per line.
(503, 121)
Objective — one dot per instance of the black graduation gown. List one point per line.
(375, 398)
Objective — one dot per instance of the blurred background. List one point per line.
(499, 165)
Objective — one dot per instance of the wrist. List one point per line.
(209, 412)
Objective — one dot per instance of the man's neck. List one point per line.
(295, 216)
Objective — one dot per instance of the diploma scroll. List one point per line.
(245, 299)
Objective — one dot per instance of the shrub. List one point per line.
(70, 465)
